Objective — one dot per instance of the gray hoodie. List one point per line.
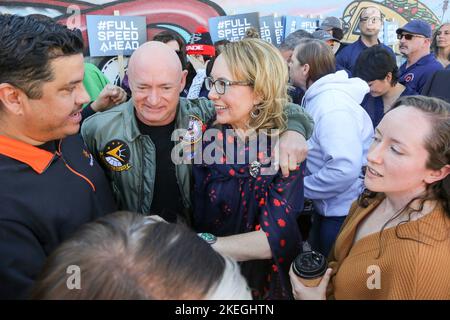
(338, 147)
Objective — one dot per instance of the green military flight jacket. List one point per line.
(129, 159)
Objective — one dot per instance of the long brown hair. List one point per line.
(318, 55)
(434, 47)
(437, 143)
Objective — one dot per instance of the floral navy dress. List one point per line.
(232, 199)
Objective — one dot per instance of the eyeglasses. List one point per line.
(407, 36)
(220, 85)
(369, 19)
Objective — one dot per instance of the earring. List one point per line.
(255, 112)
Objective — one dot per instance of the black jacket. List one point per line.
(437, 85)
(46, 193)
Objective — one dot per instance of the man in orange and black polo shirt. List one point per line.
(50, 183)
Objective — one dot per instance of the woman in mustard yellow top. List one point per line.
(395, 242)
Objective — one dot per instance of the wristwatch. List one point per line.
(208, 237)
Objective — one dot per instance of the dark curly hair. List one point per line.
(27, 46)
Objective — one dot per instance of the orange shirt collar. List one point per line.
(36, 158)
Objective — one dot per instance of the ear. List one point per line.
(306, 69)
(388, 77)
(436, 175)
(12, 98)
(183, 80)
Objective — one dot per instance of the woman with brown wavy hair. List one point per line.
(395, 243)
(441, 44)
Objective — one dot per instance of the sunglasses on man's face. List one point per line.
(407, 36)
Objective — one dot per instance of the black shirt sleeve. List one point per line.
(21, 255)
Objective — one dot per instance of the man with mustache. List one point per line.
(420, 65)
(51, 184)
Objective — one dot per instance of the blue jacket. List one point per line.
(375, 106)
(346, 58)
(416, 76)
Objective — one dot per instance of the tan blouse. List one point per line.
(404, 269)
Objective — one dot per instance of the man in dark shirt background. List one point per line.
(370, 23)
(420, 65)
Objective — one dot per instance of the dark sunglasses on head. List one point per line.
(407, 36)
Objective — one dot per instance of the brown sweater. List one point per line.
(407, 269)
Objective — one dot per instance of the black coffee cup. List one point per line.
(310, 266)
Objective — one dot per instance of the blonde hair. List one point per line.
(260, 63)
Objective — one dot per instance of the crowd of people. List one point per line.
(215, 165)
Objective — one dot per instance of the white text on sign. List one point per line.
(118, 35)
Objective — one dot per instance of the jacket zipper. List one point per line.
(141, 186)
(59, 153)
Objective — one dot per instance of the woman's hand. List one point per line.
(302, 292)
